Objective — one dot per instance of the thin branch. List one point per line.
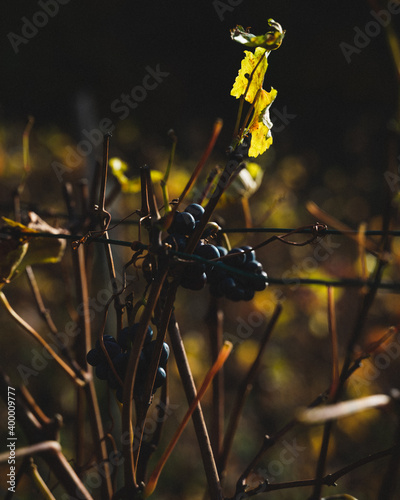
(219, 362)
(243, 392)
(27, 327)
(185, 373)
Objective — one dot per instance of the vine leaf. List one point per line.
(129, 185)
(261, 124)
(270, 41)
(18, 249)
(256, 62)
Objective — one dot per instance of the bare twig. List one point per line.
(185, 373)
(241, 396)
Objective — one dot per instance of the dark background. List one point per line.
(68, 75)
(102, 49)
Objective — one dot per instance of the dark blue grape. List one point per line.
(253, 267)
(102, 371)
(111, 346)
(250, 254)
(227, 284)
(196, 210)
(126, 335)
(222, 251)
(164, 355)
(120, 363)
(148, 352)
(208, 252)
(94, 357)
(261, 283)
(160, 378)
(237, 293)
(248, 294)
(236, 257)
(183, 223)
(176, 241)
(193, 277)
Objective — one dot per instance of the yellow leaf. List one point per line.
(258, 60)
(18, 249)
(119, 167)
(261, 124)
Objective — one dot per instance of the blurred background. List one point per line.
(334, 138)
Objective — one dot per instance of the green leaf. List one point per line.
(270, 41)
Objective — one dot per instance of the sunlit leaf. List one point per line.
(129, 185)
(261, 124)
(343, 409)
(12, 251)
(18, 249)
(43, 250)
(247, 182)
(270, 41)
(257, 60)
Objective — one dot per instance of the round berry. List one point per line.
(227, 284)
(102, 371)
(94, 357)
(183, 223)
(253, 267)
(196, 210)
(222, 251)
(176, 241)
(237, 293)
(208, 252)
(127, 335)
(194, 278)
(164, 355)
(250, 253)
(260, 283)
(248, 294)
(160, 378)
(236, 257)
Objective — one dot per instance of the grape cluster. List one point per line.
(119, 351)
(196, 274)
(236, 286)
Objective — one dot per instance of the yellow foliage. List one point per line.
(119, 168)
(261, 124)
(257, 60)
